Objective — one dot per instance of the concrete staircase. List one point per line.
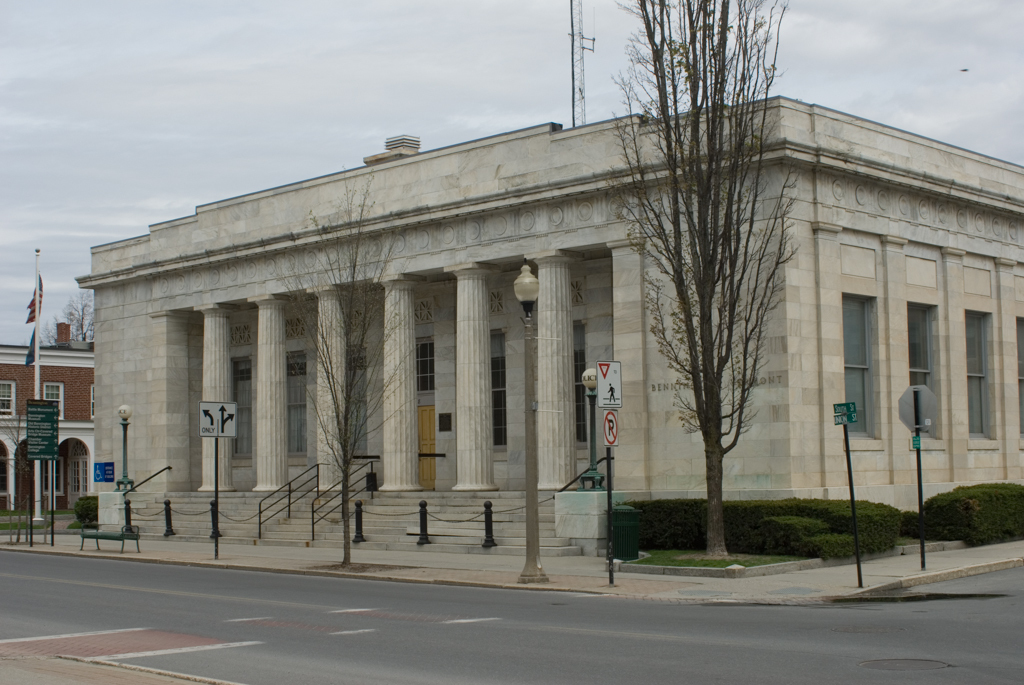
(390, 522)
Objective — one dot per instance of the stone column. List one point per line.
(831, 372)
(216, 388)
(632, 457)
(330, 383)
(895, 377)
(953, 425)
(167, 411)
(271, 446)
(556, 443)
(473, 430)
(1004, 330)
(401, 438)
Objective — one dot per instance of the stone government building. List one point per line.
(909, 268)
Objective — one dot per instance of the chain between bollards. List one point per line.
(359, 522)
(424, 540)
(168, 528)
(488, 527)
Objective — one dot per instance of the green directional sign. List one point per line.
(845, 408)
(41, 429)
(916, 440)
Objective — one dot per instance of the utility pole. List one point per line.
(579, 110)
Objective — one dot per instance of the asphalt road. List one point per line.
(320, 630)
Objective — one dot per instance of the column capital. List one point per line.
(554, 256)
(169, 314)
(401, 280)
(953, 254)
(323, 290)
(823, 230)
(893, 242)
(215, 309)
(471, 269)
(1005, 264)
(262, 301)
(619, 245)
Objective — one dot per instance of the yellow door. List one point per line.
(428, 468)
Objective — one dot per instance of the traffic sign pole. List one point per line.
(853, 503)
(920, 485)
(216, 498)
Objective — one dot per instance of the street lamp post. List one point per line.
(125, 412)
(527, 288)
(593, 476)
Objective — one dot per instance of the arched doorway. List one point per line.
(75, 476)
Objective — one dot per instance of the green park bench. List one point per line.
(126, 533)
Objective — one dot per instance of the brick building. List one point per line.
(66, 375)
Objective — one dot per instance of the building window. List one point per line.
(3, 468)
(296, 391)
(425, 366)
(498, 396)
(241, 380)
(579, 365)
(7, 399)
(977, 381)
(919, 336)
(47, 464)
(857, 360)
(1020, 372)
(55, 391)
(356, 375)
(92, 401)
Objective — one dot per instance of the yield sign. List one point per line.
(609, 385)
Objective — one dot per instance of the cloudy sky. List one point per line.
(117, 115)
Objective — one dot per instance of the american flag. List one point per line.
(32, 304)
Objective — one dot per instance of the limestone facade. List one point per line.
(909, 261)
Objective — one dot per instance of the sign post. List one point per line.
(41, 432)
(609, 397)
(918, 407)
(217, 420)
(845, 414)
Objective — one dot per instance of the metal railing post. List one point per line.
(359, 522)
(488, 527)
(289, 499)
(168, 529)
(424, 540)
(214, 531)
(259, 524)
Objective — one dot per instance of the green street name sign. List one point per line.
(845, 408)
(41, 429)
(843, 419)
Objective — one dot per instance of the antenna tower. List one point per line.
(579, 45)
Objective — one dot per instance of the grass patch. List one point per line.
(692, 557)
(904, 541)
(15, 526)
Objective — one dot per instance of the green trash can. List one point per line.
(626, 523)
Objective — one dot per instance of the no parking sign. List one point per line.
(610, 427)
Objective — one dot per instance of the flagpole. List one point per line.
(38, 491)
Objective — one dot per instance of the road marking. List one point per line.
(179, 650)
(156, 671)
(355, 632)
(67, 635)
(242, 620)
(350, 611)
(470, 620)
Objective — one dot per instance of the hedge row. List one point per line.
(824, 528)
(977, 514)
(87, 509)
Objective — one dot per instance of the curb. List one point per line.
(940, 576)
(155, 671)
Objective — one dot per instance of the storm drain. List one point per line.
(904, 664)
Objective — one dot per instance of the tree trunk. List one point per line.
(716, 518)
(347, 547)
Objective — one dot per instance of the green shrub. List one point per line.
(681, 524)
(977, 514)
(908, 524)
(831, 545)
(788, 534)
(87, 509)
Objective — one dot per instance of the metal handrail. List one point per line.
(315, 514)
(567, 485)
(138, 485)
(291, 490)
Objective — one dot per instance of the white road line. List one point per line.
(355, 632)
(67, 635)
(179, 650)
(470, 620)
(243, 620)
(350, 611)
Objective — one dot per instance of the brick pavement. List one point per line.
(103, 644)
(53, 671)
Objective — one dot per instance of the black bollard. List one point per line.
(168, 529)
(359, 522)
(127, 513)
(214, 529)
(488, 527)
(424, 540)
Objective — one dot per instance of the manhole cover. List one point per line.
(867, 629)
(904, 664)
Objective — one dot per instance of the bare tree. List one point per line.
(704, 206)
(346, 328)
(78, 313)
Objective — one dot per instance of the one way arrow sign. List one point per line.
(217, 419)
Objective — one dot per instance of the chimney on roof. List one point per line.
(63, 333)
(395, 147)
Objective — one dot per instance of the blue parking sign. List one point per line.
(103, 472)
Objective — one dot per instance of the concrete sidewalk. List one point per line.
(574, 574)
